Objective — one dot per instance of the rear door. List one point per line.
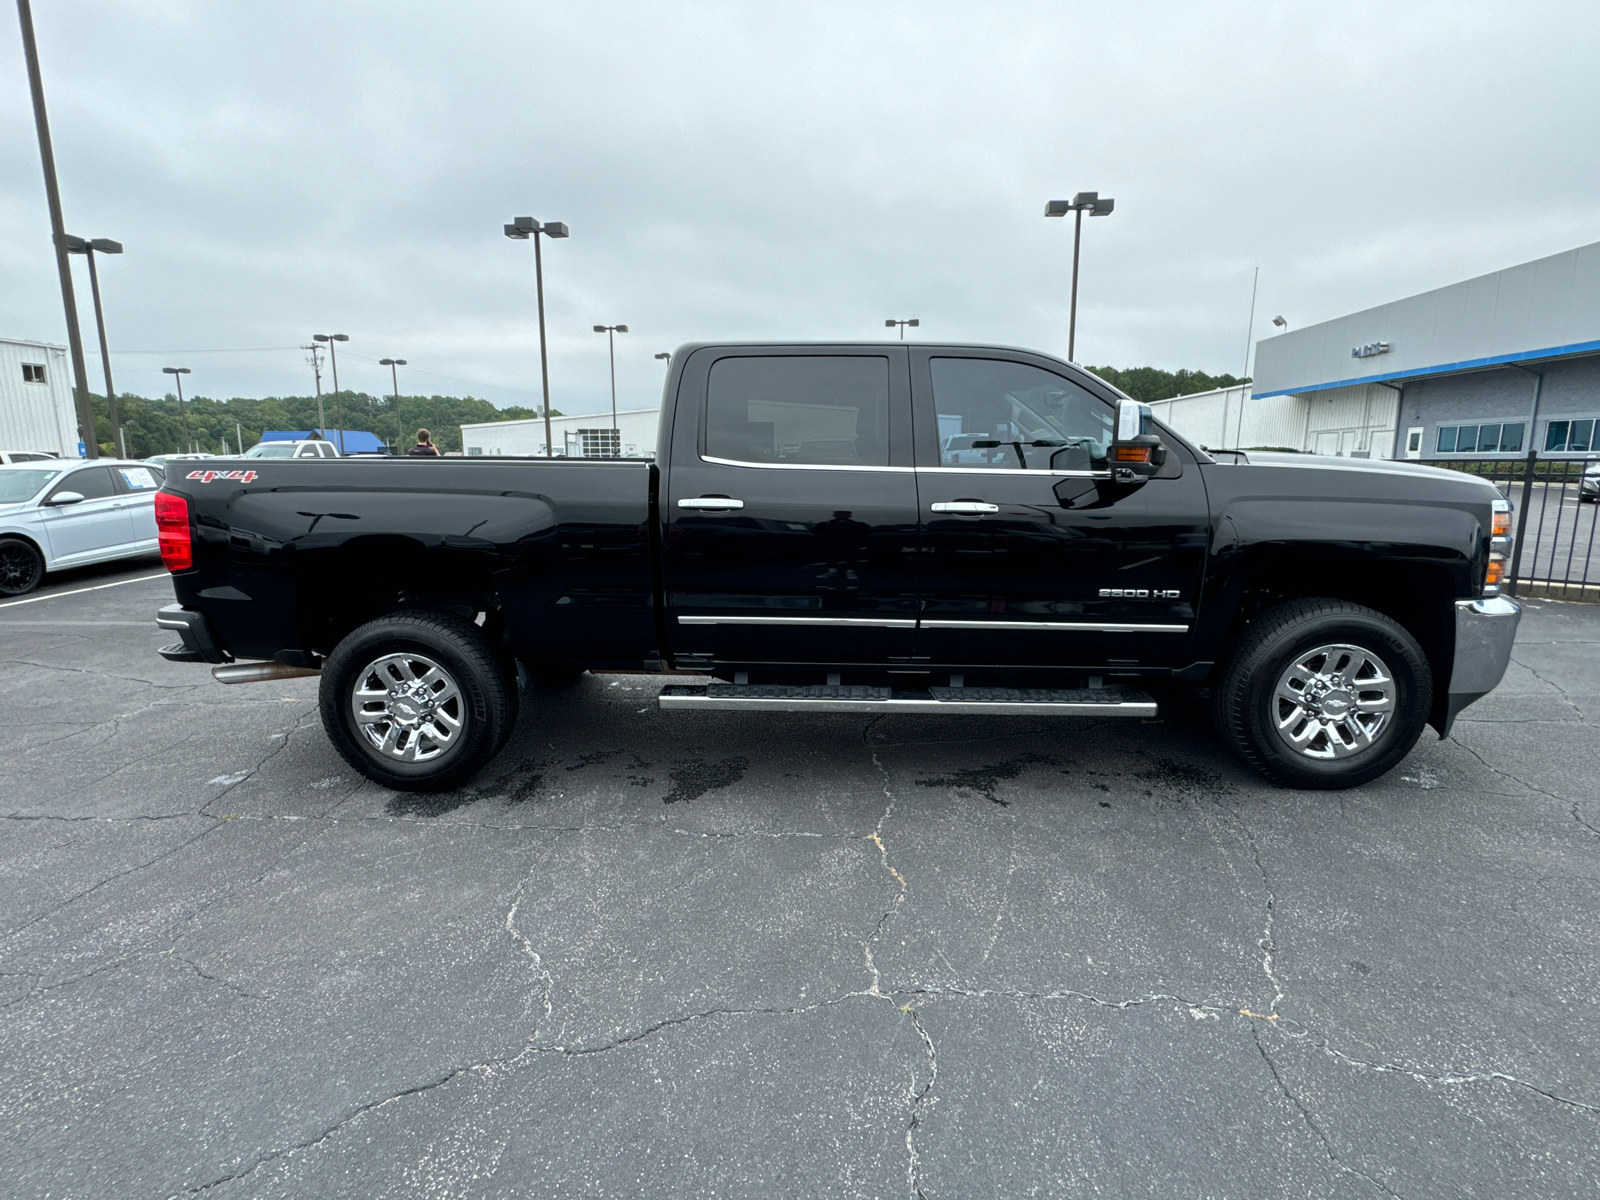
(790, 507)
(138, 486)
(98, 524)
(1031, 556)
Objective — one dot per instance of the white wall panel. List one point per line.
(36, 416)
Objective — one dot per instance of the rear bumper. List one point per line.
(1485, 632)
(199, 644)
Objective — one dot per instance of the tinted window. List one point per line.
(805, 410)
(1007, 414)
(1511, 436)
(92, 483)
(17, 486)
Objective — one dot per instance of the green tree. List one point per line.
(1148, 384)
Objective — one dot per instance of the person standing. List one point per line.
(424, 447)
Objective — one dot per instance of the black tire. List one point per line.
(1247, 708)
(483, 707)
(21, 567)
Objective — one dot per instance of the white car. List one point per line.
(69, 513)
(306, 449)
(19, 456)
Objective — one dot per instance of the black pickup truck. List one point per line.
(859, 528)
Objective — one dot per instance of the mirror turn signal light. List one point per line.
(1139, 454)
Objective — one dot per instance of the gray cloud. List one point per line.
(751, 171)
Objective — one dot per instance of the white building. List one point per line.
(36, 411)
(1354, 422)
(588, 436)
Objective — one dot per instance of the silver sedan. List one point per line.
(67, 513)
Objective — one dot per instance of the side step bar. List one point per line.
(1033, 702)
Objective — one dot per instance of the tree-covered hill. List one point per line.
(158, 429)
(1152, 383)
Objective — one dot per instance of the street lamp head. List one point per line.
(890, 324)
(1102, 208)
(914, 322)
(74, 245)
(620, 328)
(665, 355)
(1057, 208)
(330, 337)
(106, 246)
(1085, 199)
(1280, 322)
(391, 362)
(175, 370)
(599, 328)
(517, 232)
(554, 229)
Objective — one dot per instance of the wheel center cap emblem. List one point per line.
(1336, 704)
(405, 710)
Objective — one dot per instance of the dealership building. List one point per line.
(1492, 366)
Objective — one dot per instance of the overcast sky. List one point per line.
(762, 171)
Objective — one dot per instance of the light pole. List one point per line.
(521, 229)
(58, 234)
(1091, 203)
(333, 361)
(913, 322)
(611, 332)
(177, 374)
(77, 245)
(394, 365)
(1280, 322)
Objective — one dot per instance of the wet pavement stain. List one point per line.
(984, 780)
(693, 778)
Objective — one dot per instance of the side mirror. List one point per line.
(61, 498)
(1136, 452)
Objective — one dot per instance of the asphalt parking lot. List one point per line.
(654, 954)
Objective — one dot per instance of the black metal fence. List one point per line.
(1553, 517)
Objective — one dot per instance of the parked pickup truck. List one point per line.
(857, 528)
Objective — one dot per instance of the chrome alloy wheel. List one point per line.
(1333, 702)
(408, 707)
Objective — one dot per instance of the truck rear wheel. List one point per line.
(417, 701)
(1323, 694)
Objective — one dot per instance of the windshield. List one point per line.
(271, 450)
(17, 486)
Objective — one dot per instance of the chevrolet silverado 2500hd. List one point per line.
(860, 528)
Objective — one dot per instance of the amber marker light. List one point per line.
(1133, 454)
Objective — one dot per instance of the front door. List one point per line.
(1031, 555)
(790, 507)
(99, 522)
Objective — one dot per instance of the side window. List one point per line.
(1007, 414)
(33, 373)
(92, 483)
(804, 410)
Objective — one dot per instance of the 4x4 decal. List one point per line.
(208, 476)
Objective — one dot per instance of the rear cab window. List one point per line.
(799, 410)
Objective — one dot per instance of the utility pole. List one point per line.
(58, 233)
(394, 365)
(316, 367)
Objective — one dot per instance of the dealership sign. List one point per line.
(1369, 350)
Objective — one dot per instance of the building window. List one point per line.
(1570, 436)
(474, 451)
(33, 373)
(1497, 438)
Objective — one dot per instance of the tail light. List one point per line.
(1499, 548)
(172, 530)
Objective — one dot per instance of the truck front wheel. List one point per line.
(417, 701)
(1323, 694)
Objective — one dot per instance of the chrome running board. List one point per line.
(1033, 702)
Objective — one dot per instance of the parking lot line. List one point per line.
(79, 591)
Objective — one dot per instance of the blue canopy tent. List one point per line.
(356, 441)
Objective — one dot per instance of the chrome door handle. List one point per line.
(711, 503)
(968, 507)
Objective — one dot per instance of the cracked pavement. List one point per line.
(708, 954)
